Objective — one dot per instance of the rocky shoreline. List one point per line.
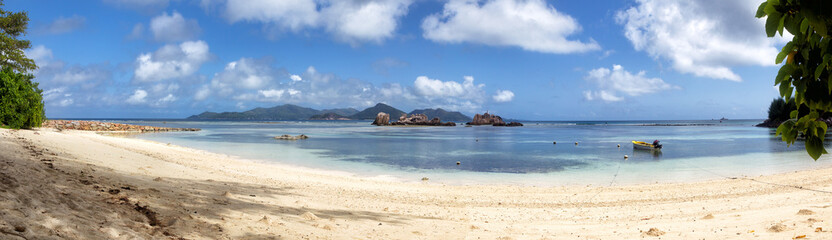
(108, 127)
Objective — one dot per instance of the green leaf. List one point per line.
(793, 114)
(819, 70)
(804, 25)
(829, 83)
(772, 23)
(788, 48)
(774, 2)
(781, 25)
(761, 10)
(785, 71)
(785, 90)
(814, 146)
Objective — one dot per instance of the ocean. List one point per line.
(693, 150)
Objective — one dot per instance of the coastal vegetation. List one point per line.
(21, 101)
(807, 72)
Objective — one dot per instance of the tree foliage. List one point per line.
(21, 101)
(13, 26)
(780, 109)
(807, 72)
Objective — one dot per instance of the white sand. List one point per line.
(108, 187)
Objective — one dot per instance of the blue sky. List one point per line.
(524, 59)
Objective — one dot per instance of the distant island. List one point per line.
(294, 112)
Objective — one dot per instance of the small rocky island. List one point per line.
(493, 120)
(290, 137)
(383, 119)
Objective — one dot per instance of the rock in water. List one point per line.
(487, 119)
(290, 137)
(382, 119)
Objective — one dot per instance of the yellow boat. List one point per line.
(645, 146)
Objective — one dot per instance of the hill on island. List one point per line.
(370, 113)
(282, 112)
(294, 112)
(443, 115)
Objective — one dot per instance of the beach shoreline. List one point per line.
(148, 189)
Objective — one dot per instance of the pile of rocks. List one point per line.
(107, 127)
(290, 137)
(493, 120)
(383, 119)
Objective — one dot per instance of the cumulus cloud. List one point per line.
(61, 80)
(503, 96)
(173, 28)
(615, 81)
(704, 38)
(171, 61)
(295, 78)
(351, 21)
(138, 97)
(245, 73)
(531, 25)
(354, 21)
(436, 88)
(64, 25)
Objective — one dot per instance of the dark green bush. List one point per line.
(780, 109)
(21, 101)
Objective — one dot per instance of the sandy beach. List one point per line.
(82, 185)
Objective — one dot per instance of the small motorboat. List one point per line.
(646, 146)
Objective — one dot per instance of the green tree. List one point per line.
(780, 109)
(807, 72)
(14, 25)
(21, 101)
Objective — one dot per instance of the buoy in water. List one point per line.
(457, 162)
(619, 145)
(625, 157)
(555, 142)
(576, 143)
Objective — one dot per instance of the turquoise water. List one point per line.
(693, 150)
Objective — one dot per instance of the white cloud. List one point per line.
(244, 73)
(603, 95)
(615, 81)
(64, 25)
(58, 96)
(171, 61)
(288, 14)
(77, 75)
(41, 55)
(295, 78)
(436, 88)
(138, 97)
(173, 28)
(531, 25)
(351, 21)
(202, 93)
(372, 21)
(704, 38)
(167, 99)
(503, 96)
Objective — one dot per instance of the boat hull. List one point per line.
(645, 146)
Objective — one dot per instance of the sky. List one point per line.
(521, 59)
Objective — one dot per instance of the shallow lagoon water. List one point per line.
(693, 150)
